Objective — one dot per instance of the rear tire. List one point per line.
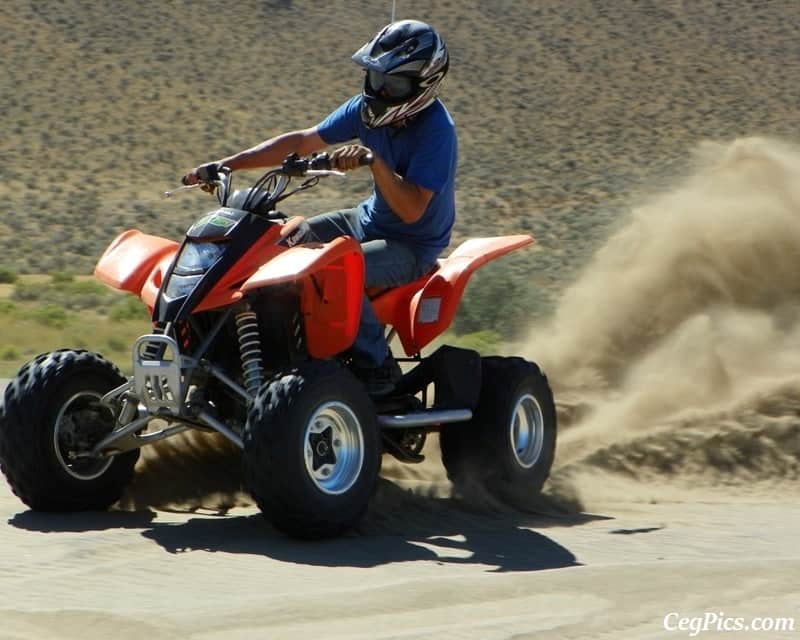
(311, 450)
(50, 413)
(509, 445)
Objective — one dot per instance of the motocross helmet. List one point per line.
(404, 65)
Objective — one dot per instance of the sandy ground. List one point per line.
(419, 566)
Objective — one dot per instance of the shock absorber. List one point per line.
(250, 350)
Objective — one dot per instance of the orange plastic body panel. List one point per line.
(152, 284)
(330, 278)
(132, 258)
(228, 289)
(331, 281)
(425, 308)
(392, 308)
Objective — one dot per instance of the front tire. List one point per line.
(311, 450)
(509, 445)
(51, 416)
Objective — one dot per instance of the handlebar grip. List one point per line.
(320, 162)
(296, 166)
(208, 172)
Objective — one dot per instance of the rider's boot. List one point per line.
(380, 381)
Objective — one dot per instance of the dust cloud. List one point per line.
(678, 349)
(192, 471)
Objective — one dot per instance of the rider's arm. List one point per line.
(430, 169)
(272, 152)
(407, 200)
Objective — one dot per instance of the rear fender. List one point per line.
(331, 281)
(133, 262)
(435, 305)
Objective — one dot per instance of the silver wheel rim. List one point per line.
(526, 431)
(333, 447)
(68, 437)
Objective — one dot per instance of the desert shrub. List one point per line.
(8, 353)
(50, 315)
(78, 342)
(485, 342)
(129, 308)
(62, 277)
(29, 292)
(7, 276)
(116, 344)
(69, 294)
(493, 300)
(502, 297)
(84, 294)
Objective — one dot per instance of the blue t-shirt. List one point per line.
(425, 154)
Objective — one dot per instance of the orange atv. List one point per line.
(251, 329)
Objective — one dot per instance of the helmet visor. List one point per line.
(390, 86)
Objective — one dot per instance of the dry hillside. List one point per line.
(567, 111)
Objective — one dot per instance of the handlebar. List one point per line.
(316, 165)
(214, 177)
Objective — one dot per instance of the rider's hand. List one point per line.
(204, 173)
(190, 178)
(348, 157)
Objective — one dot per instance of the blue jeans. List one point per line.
(388, 263)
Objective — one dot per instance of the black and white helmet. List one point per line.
(404, 64)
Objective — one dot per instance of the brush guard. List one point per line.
(158, 374)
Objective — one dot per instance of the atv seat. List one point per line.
(421, 310)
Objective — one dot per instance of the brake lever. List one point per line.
(185, 187)
(214, 186)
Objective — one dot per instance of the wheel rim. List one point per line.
(334, 448)
(527, 431)
(80, 424)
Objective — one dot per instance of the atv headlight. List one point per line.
(179, 286)
(197, 257)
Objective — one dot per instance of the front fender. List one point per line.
(131, 258)
(331, 281)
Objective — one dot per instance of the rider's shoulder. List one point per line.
(436, 118)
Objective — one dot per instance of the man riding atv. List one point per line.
(405, 224)
(254, 321)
